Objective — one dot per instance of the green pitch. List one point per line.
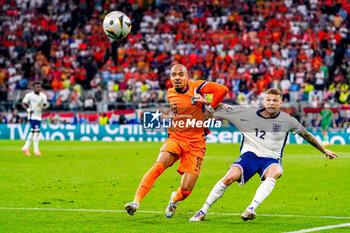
(83, 186)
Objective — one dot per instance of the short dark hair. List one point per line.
(273, 91)
(37, 83)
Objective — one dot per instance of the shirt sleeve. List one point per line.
(219, 91)
(295, 126)
(226, 111)
(26, 99)
(44, 99)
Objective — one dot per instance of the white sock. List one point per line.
(215, 194)
(36, 141)
(28, 141)
(262, 192)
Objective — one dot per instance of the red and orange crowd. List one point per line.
(301, 47)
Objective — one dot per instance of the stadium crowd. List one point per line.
(301, 47)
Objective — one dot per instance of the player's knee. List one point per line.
(229, 179)
(274, 172)
(167, 158)
(232, 175)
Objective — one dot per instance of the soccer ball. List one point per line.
(116, 25)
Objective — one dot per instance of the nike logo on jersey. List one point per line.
(244, 119)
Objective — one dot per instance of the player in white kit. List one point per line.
(34, 102)
(265, 133)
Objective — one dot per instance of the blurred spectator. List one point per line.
(254, 102)
(122, 119)
(144, 103)
(285, 96)
(103, 119)
(3, 94)
(83, 119)
(89, 104)
(120, 101)
(285, 84)
(15, 118)
(63, 97)
(344, 95)
(75, 103)
(98, 94)
(3, 117)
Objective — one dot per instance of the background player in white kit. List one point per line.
(265, 133)
(34, 102)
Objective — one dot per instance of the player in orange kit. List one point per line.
(186, 141)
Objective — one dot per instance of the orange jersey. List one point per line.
(188, 118)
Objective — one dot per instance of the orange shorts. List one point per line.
(190, 153)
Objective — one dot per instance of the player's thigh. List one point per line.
(325, 127)
(248, 164)
(170, 152)
(275, 170)
(167, 158)
(232, 175)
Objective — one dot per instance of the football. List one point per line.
(116, 25)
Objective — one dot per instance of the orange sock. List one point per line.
(148, 180)
(181, 195)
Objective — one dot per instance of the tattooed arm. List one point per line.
(313, 141)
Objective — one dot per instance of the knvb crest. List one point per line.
(152, 120)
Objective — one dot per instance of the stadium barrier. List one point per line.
(131, 133)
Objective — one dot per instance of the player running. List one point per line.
(265, 133)
(186, 144)
(34, 102)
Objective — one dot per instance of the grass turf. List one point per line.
(105, 175)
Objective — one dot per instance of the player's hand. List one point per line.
(197, 98)
(29, 110)
(207, 115)
(330, 154)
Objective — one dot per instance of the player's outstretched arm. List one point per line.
(219, 92)
(313, 141)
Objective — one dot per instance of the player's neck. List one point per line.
(183, 90)
(266, 114)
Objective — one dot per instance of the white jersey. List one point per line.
(35, 102)
(265, 137)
